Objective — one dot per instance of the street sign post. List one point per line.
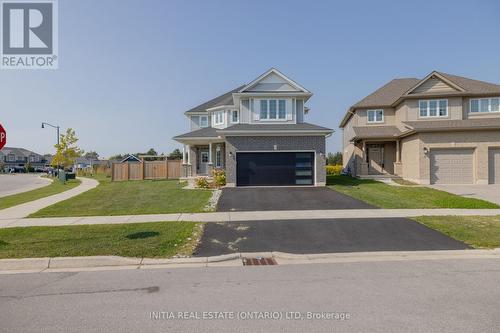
(3, 137)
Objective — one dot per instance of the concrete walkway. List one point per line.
(9, 222)
(24, 210)
(489, 192)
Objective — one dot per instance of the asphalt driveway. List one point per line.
(285, 198)
(323, 236)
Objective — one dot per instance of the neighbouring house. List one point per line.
(83, 163)
(257, 133)
(442, 129)
(18, 158)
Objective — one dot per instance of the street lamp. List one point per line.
(56, 127)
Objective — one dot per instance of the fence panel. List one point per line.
(146, 170)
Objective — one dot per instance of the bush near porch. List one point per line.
(333, 169)
(388, 196)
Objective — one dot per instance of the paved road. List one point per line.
(17, 183)
(323, 236)
(489, 193)
(285, 198)
(416, 296)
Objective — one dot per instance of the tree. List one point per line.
(91, 155)
(66, 150)
(175, 154)
(334, 159)
(117, 157)
(151, 151)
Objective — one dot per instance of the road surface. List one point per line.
(17, 183)
(415, 296)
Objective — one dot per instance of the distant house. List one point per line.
(18, 158)
(83, 163)
(131, 158)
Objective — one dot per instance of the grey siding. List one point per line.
(299, 110)
(245, 111)
(195, 123)
(267, 143)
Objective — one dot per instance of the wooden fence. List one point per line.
(167, 169)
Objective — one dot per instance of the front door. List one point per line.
(376, 158)
(203, 168)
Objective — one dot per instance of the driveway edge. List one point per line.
(93, 263)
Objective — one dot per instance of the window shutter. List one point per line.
(255, 112)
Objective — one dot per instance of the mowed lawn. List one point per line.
(55, 187)
(477, 231)
(130, 198)
(388, 196)
(156, 239)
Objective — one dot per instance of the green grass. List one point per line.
(386, 196)
(157, 239)
(53, 188)
(130, 198)
(477, 231)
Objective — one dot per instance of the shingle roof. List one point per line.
(17, 151)
(275, 127)
(387, 94)
(467, 124)
(207, 132)
(224, 99)
(371, 132)
(473, 86)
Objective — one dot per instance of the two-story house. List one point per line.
(443, 129)
(18, 158)
(257, 133)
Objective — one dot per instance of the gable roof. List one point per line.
(224, 99)
(279, 74)
(397, 90)
(375, 132)
(130, 158)
(18, 152)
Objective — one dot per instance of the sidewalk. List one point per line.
(9, 222)
(94, 263)
(23, 210)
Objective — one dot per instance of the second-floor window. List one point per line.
(485, 105)
(203, 121)
(433, 108)
(12, 157)
(272, 109)
(234, 116)
(375, 116)
(219, 118)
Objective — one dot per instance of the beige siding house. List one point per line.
(443, 129)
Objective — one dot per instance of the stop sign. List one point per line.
(3, 137)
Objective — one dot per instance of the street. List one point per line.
(413, 296)
(17, 183)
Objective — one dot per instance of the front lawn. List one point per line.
(388, 196)
(477, 231)
(54, 188)
(131, 198)
(157, 239)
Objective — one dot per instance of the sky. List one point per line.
(128, 69)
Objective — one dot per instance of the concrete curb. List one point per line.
(93, 263)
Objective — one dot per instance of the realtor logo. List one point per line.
(29, 34)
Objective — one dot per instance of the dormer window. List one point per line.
(203, 121)
(375, 116)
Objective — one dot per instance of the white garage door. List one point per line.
(494, 165)
(451, 166)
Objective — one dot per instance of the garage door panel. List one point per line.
(451, 166)
(494, 165)
(274, 169)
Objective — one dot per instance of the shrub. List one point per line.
(202, 182)
(333, 169)
(219, 177)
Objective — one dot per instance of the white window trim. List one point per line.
(479, 105)
(269, 112)
(215, 116)
(437, 108)
(218, 157)
(375, 117)
(204, 117)
(231, 116)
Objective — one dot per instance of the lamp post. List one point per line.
(57, 129)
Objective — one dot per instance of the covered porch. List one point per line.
(200, 158)
(379, 158)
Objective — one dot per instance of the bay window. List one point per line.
(219, 118)
(234, 116)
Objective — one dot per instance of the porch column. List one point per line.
(364, 152)
(188, 147)
(398, 154)
(363, 167)
(183, 154)
(210, 153)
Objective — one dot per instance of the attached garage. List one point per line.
(274, 168)
(451, 166)
(494, 165)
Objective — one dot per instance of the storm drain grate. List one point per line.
(259, 261)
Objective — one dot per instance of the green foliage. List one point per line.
(91, 155)
(219, 177)
(66, 150)
(333, 169)
(334, 159)
(175, 154)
